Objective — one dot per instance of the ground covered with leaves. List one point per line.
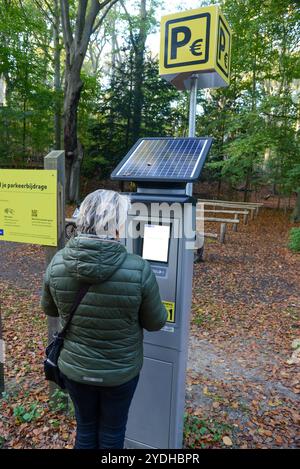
(243, 388)
(243, 384)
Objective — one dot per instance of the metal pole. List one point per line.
(193, 106)
(192, 118)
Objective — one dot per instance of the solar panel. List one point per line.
(164, 159)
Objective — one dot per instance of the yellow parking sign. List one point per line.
(196, 41)
(28, 206)
(223, 47)
(187, 41)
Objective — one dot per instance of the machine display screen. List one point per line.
(156, 243)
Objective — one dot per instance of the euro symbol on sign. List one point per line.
(196, 47)
(226, 60)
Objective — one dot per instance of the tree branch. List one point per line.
(133, 41)
(80, 20)
(39, 42)
(118, 51)
(50, 8)
(88, 26)
(103, 4)
(66, 25)
(104, 15)
(45, 12)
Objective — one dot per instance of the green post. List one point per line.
(56, 160)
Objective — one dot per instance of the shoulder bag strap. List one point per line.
(82, 291)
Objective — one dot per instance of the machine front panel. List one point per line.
(165, 270)
(156, 413)
(153, 392)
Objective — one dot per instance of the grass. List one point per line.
(59, 401)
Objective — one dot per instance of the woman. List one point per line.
(103, 349)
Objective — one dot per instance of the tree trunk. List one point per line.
(137, 97)
(129, 110)
(25, 96)
(77, 36)
(73, 149)
(247, 185)
(219, 188)
(111, 123)
(24, 129)
(75, 175)
(278, 201)
(296, 212)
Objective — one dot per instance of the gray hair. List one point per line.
(103, 213)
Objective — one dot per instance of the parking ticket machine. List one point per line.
(161, 229)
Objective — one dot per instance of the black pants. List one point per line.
(101, 413)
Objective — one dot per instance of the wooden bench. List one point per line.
(207, 235)
(223, 221)
(235, 213)
(253, 206)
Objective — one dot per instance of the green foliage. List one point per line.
(59, 401)
(55, 423)
(108, 130)
(5, 396)
(294, 243)
(253, 121)
(161, 111)
(196, 431)
(24, 415)
(26, 124)
(95, 166)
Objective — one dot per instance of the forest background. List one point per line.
(83, 76)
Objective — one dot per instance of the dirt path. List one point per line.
(22, 264)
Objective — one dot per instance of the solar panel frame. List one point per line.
(162, 161)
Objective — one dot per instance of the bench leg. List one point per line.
(199, 255)
(222, 233)
(235, 225)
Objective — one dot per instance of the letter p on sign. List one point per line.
(196, 41)
(187, 41)
(223, 51)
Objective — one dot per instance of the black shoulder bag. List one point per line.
(53, 350)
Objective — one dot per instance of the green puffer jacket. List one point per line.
(104, 343)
